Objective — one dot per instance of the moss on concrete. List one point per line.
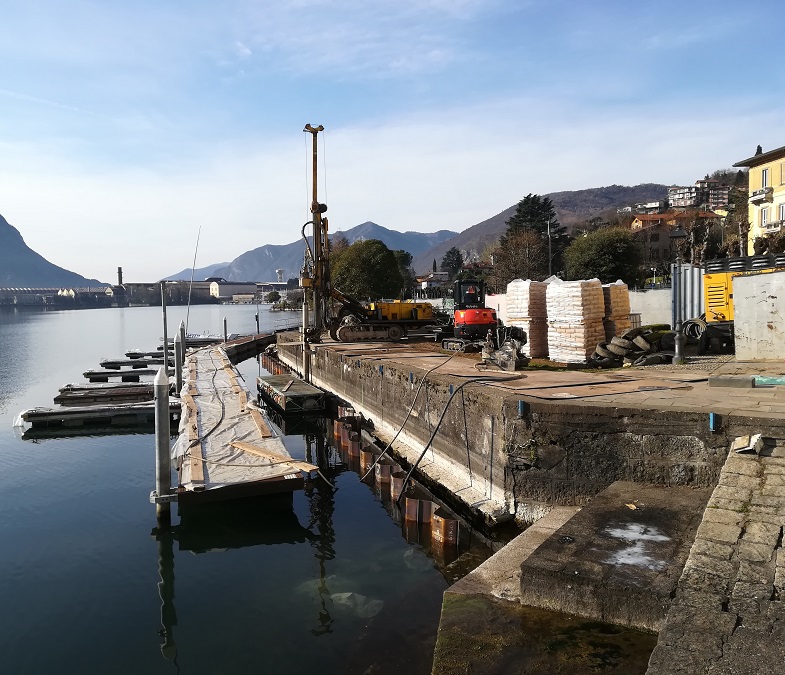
(479, 635)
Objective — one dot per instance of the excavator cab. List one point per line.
(469, 294)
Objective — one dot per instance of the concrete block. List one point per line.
(736, 381)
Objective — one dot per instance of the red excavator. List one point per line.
(472, 320)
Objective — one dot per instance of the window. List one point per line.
(764, 178)
(764, 217)
(655, 236)
(781, 216)
(782, 173)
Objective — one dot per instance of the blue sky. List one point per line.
(127, 126)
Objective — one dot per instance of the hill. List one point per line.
(260, 264)
(572, 207)
(198, 274)
(22, 267)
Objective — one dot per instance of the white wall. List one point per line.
(759, 316)
(654, 306)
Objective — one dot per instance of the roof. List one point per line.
(762, 158)
(675, 215)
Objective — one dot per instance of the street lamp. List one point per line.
(654, 277)
(680, 339)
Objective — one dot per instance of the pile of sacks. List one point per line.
(575, 319)
(526, 309)
(617, 310)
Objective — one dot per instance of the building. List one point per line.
(706, 194)
(766, 205)
(224, 290)
(653, 231)
(651, 207)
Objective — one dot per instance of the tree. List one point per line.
(434, 264)
(535, 213)
(608, 254)
(273, 296)
(367, 270)
(404, 259)
(452, 262)
(525, 256)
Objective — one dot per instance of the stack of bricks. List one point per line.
(575, 313)
(526, 308)
(617, 309)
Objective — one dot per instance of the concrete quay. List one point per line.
(617, 448)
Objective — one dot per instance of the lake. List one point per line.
(329, 584)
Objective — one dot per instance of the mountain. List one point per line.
(261, 263)
(22, 267)
(572, 207)
(199, 273)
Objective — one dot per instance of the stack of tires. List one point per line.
(644, 346)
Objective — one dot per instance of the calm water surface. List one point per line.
(330, 585)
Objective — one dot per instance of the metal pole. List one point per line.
(306, 352)
(183, 341)
(550, 256)
(163, 467)
(226, 334)
(166, 337)
(178, 364)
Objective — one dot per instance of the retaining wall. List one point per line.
(556, 453)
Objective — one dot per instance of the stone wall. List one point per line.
(759, 318)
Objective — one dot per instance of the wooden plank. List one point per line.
(190, 404)
(196, 463)
(243, 398)
(287, 385)
(261, 425)
(272, 456)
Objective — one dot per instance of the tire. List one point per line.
(642, 343)
(603, 362)
(619, 351)
(621, 342)
(394, 332)
(603, 352)
(668, 342)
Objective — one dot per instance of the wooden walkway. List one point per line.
(226, 448)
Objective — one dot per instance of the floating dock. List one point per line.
(72, 417)
(227, 449)
(290, 394)
(99, 393)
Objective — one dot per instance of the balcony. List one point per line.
(762, 195)
(775, 226)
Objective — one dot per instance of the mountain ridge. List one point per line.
(22, 267)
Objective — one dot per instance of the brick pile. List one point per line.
(575, 313)
(526, 308)
(617, 309)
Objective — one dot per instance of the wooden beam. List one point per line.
(261, 425)
(272, 456)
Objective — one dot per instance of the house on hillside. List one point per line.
(706, 194)
(653, 231)
(766, 206)
(430, 285)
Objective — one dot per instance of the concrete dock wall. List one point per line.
(554, 453)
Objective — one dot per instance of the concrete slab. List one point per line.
(619, 559)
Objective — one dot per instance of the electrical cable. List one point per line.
(438, 424)
(406, 419)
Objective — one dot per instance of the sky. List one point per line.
(130, 128)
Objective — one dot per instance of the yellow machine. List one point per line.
(402, 311)
(718, 281)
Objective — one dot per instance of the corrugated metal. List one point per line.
(687, 292)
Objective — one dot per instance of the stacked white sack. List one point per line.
(617, 309)
(575, 313)
(526, 309)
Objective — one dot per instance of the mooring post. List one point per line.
(226, 334)
(163, 468)
(178, 363)
(166, 337)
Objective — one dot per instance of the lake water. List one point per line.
(330, 585)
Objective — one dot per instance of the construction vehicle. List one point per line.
(718, 294)
(472, 321)
(346, 319)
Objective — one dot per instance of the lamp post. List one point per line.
(654, 277)
(680, 340)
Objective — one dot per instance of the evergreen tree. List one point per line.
(434, 264)
(368, 270)
(452, 262)
(607, 254)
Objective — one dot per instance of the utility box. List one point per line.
(402, 311)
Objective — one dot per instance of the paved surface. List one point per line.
(728, 616)
(665, 387)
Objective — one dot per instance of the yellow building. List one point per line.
(767, 193)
